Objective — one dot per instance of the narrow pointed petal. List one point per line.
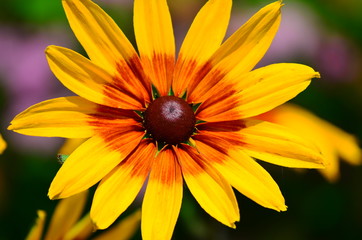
(120, 187)
(37, 230)
(163, 197)
(69, 117)
(91, 82)
(243, 50)
(208, 187)
(66, 214)
(124, 230)
(202, 40)
(60, 117)
(345, 143)
(219, 108)
(279, 145)
(245, 174)
(91, 161)
(155, 41)
(256, 92)
(102, 39)
(2, 144)
(272, 86)
(333, 141)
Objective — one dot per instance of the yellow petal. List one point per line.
(124, 230)
(65, 215)
(70, 145)
(2, 144)
(89, 81)
(331, 172)
(90, 162)
(271, 86)
(246, 175)
(279, 145)
(104, 42)
(121, 186)
(242, 51)
(332, 141)
(344, 143)
(83, 229)
(37, 230)
(255, 92)
(205, 184)
(163, 197)
(202, 40)
(70, 117)
(221, 108)
(155, 41)
(60, 117)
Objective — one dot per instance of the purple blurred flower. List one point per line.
(25, 75)
(337, 59)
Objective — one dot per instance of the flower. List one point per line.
(332, 141)
(65, 223)
(149, 116)
(2, 144)
(25, 75)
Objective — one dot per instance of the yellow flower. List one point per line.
(65, 223)
(2, 144)
(332, 141)
(148, 115)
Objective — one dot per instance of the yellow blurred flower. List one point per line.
(66, 224)
(333, 142)
(2, 144)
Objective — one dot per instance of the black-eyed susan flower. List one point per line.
(2, 144)
(333, 142)
(67, 223)
(150, 115)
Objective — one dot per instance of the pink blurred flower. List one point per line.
(25, 75)
(337, 59)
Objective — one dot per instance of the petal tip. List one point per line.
(53, 196)
(49, 48)
(232, 225)
(277, 5)
(283, 208)
(98, 226)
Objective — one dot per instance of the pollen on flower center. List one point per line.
(169, 119)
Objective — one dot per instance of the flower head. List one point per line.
(148, 115)
(331, 140)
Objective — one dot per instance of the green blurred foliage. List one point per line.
(31, 12)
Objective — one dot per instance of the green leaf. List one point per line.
(171, 93)
(62, 157)
(155, 93)
(200, 121)
(195, 106)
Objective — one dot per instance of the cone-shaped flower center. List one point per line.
(170, 120)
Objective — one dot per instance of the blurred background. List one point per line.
(324, 34)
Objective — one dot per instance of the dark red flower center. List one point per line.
(169, 120)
